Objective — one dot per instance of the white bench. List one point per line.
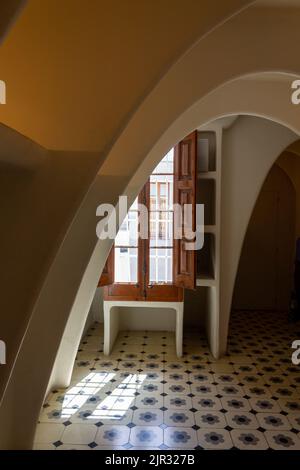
(112, 313)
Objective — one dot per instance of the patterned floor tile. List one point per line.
(241, 420)
(235, 403)
(154, 357)
(204, 389)
(176, 376)
(180, 438)
(275, 379)
(150, 388)
(264, 405)
(42, 446)
(75, 447)
(146, 436)
(151, 417)
(289, 406)
(79, 434)
(110, 417)
(250, 379)
(112, 435)
(176, 366)
(151, 375)
(294, 420)
(282, 440)
(226, 379)
(258, 391)
(245, 368)
(179, 418)
(214, 439)
(221, 368)
(285, 392)
(207, 403)
(273, 421)
(249, 439)
(177, 402)
(177, 388)
(210, 419)
(147, 400)
(48, 433)
(230, 390)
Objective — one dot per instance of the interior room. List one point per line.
(170, 325)
(144, 374)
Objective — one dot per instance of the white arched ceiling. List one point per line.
(257, 40)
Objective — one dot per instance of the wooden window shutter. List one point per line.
(185, 169)
(107, 276)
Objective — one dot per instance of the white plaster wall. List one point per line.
(97, 306)
(132, 318)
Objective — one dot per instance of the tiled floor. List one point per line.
(144, 397)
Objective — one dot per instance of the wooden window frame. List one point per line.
(184, 261)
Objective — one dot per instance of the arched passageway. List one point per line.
(265, 273)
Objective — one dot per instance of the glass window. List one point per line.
(166, 164)
(126, 248)
(160, 230)
(126, 264)
(160, 265)
(161, 221)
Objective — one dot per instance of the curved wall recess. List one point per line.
(188, 96)
(265, 271)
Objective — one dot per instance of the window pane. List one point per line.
(161, 264)
(126, 264)
(166, 164)
(161, 192)
(161, 229)
(127, 234)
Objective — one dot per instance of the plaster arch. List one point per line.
(66, 289)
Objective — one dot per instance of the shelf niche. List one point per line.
(206, 194)
(206, 258)
(206, 152)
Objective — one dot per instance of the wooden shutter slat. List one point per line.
(185, 167)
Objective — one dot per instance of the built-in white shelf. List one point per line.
(210, 229)
(209, 194)
(207, 175)
(205, 281)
